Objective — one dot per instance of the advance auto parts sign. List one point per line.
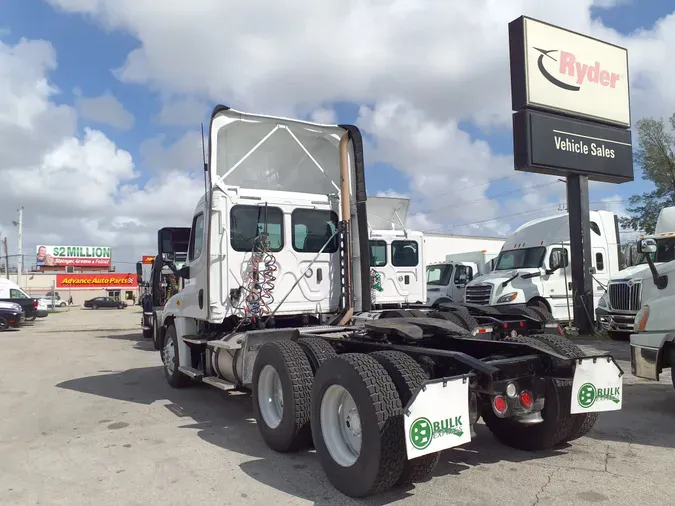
(438, 418)
(566, 71)
(96, 280)
(597, 386)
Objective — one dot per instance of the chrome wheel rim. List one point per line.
(270, 397)
(341, 425)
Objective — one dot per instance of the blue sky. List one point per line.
(89, 51)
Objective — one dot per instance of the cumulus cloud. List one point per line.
(105, 109)
(76, 189)
(182, 111)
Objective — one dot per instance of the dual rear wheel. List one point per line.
(348, 407)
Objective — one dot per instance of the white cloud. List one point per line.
(182, 112)
(324, 115)
(76, 190)
(105, 109)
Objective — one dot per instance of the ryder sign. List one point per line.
(562, 71)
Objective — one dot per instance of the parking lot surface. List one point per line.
(87, 418)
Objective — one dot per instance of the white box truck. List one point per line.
(438, 246)
(533, 267)
(278, 268)
(446, 281)
(619, 305)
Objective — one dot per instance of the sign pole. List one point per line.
(580, 251)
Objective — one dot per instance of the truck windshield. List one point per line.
(525, 258)
(439, 274)
(665, 252)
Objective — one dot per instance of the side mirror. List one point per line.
(139, 272)
(184, 272)
(646, 246)
(555, 262)
(462, 279)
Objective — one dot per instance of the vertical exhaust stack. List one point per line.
(348, 309)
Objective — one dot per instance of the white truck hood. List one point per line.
(635, 272)
(496, 277)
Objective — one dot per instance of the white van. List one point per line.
(11, 292)
(533, 267)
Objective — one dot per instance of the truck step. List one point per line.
(191, 372)
(190, 340)
(218, 383)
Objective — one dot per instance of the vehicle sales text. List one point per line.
(575, 146)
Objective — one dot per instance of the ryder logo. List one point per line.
(581, 73)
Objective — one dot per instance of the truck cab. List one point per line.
(619, 305)
(396, 254)
(652, 342)
(446, 281)
(533, 268)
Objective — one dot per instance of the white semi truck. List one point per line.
(619, 305)
(533, 267)
(652, 343)
(446, 281)
(277, 300)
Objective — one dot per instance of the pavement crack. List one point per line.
(541, 490)
(606, 458)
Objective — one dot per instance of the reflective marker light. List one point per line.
(511, 390)
(526, 399)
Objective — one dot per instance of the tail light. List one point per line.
(526, 399)
(35, 303)
(499, 405)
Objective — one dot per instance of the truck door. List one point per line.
(195, 303)
(405, 258)
(553, 285)
(463, 274)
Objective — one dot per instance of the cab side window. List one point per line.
(463, 274)
(16, 294)
(559, 254)
(378, 253)
(197, 237)
(404, 253)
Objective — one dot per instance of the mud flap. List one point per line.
(437, 416)
(597, 385)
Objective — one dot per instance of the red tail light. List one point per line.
(35, 304)
(526, 399)
(522, 324)
(499, 404)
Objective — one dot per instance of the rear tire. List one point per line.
(362, 452)
(408, 376)
(94, 306)
(317, 351)
(557, 423)
(582, 423)
(4, 323)
(282, 386)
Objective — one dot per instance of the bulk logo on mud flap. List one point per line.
(588, 395)
(423, 431)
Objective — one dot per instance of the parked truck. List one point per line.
(396, 254)
(277, 301)
(438, 246)
(533, 267)
(11, 292)
(652, 343)
(619, 305)
(164, 281)
(446, 281)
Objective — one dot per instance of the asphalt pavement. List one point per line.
(87, 418)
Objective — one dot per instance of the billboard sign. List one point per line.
(567, 72)
(553, 144)
(78, 256)
(107, 280)
(147, 259)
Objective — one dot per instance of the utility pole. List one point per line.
(20, 245)
(4, 241)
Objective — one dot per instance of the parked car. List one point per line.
(57, 302)
(101, 302)
(11, 316)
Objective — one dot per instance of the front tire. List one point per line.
(94, 306)
(356, 425)
(282, 385)
(4, 323)
(171, 362)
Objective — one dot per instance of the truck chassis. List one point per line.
(351, 391)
